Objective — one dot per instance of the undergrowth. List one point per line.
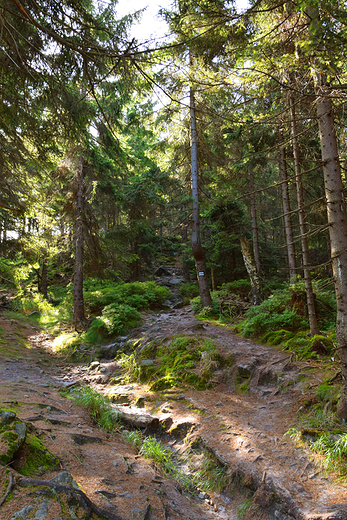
(319, 430)
(282, 320)
(206, 475)
(117, 305)
(180, 361)
(99, 408)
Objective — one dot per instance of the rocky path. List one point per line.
(244, 432)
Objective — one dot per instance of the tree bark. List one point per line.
(337, 219)
(44, 285)
(252, 271)
(287, 221)
(78, 302)
(311, 307)
(198, 251)
(254, 221)
(184, 235)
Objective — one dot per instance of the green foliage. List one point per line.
(334, 450)
(99, 408)
(211, 476)
(244, 508)
(37, 457)
(212, 311)
(189, 290)
(119, 318)
(281, 320)
(328, 393)
(242, 287)
(139, 295)
(183, 360)
(161, 456)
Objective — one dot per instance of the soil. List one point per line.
(245, 432)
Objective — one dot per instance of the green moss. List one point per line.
(328, 393)
(10, 442)
(243, 387)
(37, 457)
(229, 360)
(276, 337)
(321, 344)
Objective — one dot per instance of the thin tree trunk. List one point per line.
(44, 284)
(213, 276)
(254, 221)
(288, 228)
(184, 234)
(252, 272)
(78, 302)
(198, 252)
(311, 308)
(337, 219)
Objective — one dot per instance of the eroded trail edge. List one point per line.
(243, 432)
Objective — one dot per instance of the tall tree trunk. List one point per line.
(337, 219)
(254, 221)
(311, 307)
(287, 221)
(198, 252)
(78, 302)
(252, 272)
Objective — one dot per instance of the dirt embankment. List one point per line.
(243, 432)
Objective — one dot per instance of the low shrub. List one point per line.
(189, 290)
(140, 295)
(241, 287)
(212, 311)
(119, 318)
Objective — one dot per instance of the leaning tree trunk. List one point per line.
(198, 252)
(78, 302)
(287, 221)
(337, 219)
(311, 307)
(256, 291)
(254, 221)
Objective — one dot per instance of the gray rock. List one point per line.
(147, 362)
(23, 513)
(245, 370)
(65, 479)
(21, 430)
(176, 281)
(162, 271)
(120, 399)
(7, 417)
(109, 351)
(43, 510)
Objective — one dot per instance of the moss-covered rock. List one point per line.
(34, 458)
(12, 435)
(321, 344)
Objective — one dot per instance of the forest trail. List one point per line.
(243, 431)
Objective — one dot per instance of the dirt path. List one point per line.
(243, 431)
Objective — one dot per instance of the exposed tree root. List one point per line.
(9, 488)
